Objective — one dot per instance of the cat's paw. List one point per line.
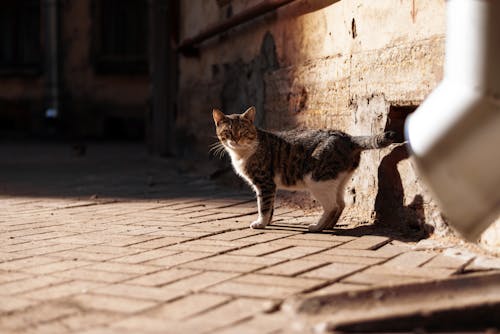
(258, 224)
(315, 228)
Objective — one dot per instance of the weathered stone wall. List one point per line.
(354, 65)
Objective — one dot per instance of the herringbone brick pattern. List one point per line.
(181, 261)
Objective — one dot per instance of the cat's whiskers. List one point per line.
(217, 149)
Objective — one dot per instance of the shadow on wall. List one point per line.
(389, 203)
(244, 85)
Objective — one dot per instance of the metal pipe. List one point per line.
(454, 135)
(251, 13)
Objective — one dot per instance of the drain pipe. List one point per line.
(52, 59)
(454, 136)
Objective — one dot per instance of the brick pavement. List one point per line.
(174, 258)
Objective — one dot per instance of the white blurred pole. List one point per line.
(52, 58)
(454, 136)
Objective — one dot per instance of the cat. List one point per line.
(321, 161)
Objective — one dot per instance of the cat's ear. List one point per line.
(218, 116)
(250, 114)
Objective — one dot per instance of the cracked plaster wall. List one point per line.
(324, 64)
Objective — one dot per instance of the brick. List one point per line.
(410, 260)
(238, 259)
(241, 289)
(80, 321)
(201, 281)
(82, 255)
(263, 237)
(338, 288)
(360, 252)
(184, 233)
(64, 289)
(149, 325)
(159, 242)
(28, 284)
(56, 266)
(43, 312)
(120, 251)
(188, 306)
(134, 230)
(163, 277)
(306, 243)
(334, 271)
(47, 328)
(123, 268)
(322, 237)
(205, 215)
(285, 232)
(112, 303)
(366, 242)
(234, 235)
(196, 247)
(123, 241)
(221, 266)
(259, 249)
(145, 256)
(294, 252)
(139, 292)
(178, 258)
(264, 324)
(94, 275)
(343, 259)
(26, 262)
(484, 263)
(8, 250)
(422, 272)
(293, 267)
(373, 279)
(449, 262)
(47, 249)
(10, 303)
(46, 235)
(393, 249)
(295, 282)
(81, 240)
(9, 276)
(227, 314)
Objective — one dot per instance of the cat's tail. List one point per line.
(377, 141)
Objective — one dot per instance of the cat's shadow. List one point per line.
(357, 231)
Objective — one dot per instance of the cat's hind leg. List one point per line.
(340, 199)
(325, 193)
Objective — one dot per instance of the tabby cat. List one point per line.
(321, 161)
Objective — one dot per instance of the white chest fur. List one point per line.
(239, 163)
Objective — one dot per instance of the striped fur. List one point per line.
(321, 161)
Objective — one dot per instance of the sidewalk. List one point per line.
(116, 242)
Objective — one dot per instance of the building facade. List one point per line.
(87, 58)
(355, 65)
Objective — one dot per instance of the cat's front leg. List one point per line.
(265, 205)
